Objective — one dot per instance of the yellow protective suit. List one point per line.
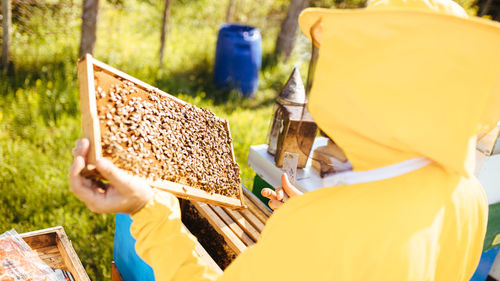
(392, 83)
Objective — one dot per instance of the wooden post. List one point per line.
(485, 9)
(286, 37)
(90, 10)
(7, 26)
(230, 10)
(163, 39)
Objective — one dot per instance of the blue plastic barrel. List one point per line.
(130, 265)
(238, 58)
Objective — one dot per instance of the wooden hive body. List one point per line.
(223, 232)
(54, 248)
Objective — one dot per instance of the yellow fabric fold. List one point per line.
(424, 225)
(434, 76)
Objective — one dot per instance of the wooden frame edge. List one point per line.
(88, 108)
(191, 193)
(233, 225)
(256, 201)
(41, 231)
(240, 189)
(68, 253)
(231, 239)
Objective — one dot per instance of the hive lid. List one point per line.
(293, 93)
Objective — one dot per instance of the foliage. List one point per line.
(39, 105)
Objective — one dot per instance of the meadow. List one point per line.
(39, 104)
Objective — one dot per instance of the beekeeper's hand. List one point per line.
(124, 194)
(278, 197)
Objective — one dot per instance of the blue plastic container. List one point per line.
(238, 58)
(130, 265)
(484, 267)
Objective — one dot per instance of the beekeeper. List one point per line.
(403, 87)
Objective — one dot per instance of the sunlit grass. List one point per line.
(39, 105)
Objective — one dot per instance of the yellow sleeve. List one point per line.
(164, 243)
(492, 112)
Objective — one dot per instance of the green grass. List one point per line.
(39, 110)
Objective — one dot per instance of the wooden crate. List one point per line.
(92, 71)
(238, 229)
(54, 248)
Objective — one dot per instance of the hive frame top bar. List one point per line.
(91, 130)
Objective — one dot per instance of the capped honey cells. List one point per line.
(156, 137)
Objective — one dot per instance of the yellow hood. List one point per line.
(402, 79)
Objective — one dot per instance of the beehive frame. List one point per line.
(87, 66)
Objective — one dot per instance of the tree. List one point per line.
(163, 39)
(90, 10)
(7, 26)
(485, 7)
(230, 10)
(288, 33)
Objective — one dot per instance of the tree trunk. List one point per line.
(163, 39)
(230, 11)
(485, 9)
(7, 28)
(90, 10)
(288, 33)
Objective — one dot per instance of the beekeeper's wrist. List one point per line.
(159, 200)
(143, 202)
